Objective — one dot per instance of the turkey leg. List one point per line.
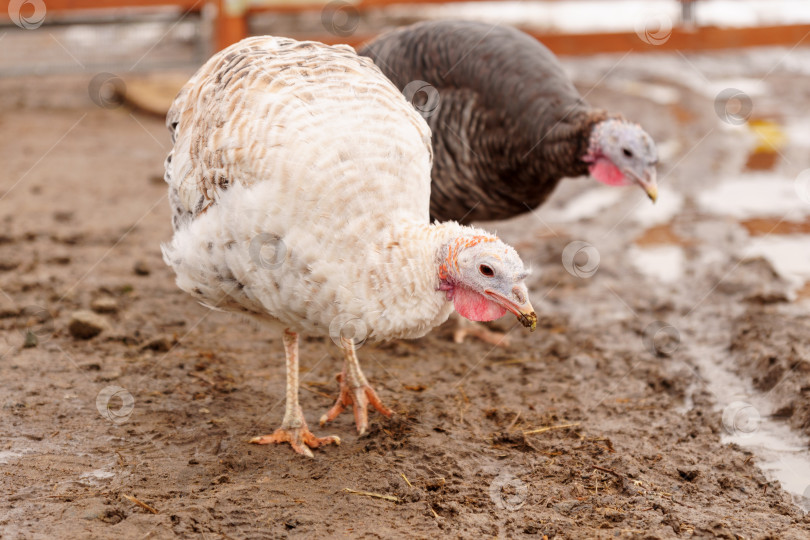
(294, 428)
(355, 391)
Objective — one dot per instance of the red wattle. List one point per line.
(475, 307)
(606, 172)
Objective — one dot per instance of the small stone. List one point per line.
(141, 268)
(95, 510)
(31, 340)
(86, 325)
(159, 344)
(104, 304)
(61, 260)
(63, 216)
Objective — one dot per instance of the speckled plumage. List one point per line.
(311, 148)
(507, 122)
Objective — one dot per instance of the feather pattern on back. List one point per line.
(300, 183)
(509, 123)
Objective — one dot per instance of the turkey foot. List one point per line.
(466, 328)
(360, 396)
(354, 390)
(300, 438)
(294, 428)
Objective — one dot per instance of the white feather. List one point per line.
(321, 157)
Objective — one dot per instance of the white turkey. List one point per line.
(300, 188)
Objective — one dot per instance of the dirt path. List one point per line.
(593, 427)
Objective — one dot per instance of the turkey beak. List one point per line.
(518, 304)
(647, 181)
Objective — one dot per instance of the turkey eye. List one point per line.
(486, 270)
(627, 152)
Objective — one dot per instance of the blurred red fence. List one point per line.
(231, 22)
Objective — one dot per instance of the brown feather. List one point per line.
(509, 124)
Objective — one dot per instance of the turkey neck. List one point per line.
(564, 145)
(408, 257)
(545, 152)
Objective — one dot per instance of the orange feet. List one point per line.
(301, 439)
(360, 397)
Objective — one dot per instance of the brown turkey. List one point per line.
(507, 123)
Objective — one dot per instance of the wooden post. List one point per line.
(231, 24)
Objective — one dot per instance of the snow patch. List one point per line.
(781, 452)
(99, 474)
(755, 195)
(668, 205)
(789, 255)
(662, 263)
(589, 204)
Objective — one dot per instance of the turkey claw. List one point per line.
(301, 439)
(360, 397)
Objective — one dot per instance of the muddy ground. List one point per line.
(599, 425)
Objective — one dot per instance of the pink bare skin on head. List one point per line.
(475, 307)
(606, 172)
